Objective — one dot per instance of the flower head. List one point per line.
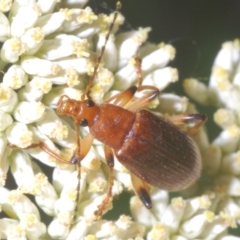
(48, 51)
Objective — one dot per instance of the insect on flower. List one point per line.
(155, 150)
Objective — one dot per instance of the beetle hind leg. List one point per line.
(141, 188)
(197, 119)
(110, 162)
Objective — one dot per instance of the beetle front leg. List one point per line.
(110, 161)
(197, 119)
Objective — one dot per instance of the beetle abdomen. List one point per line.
(160, 153)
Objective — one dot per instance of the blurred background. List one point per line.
(197, 28)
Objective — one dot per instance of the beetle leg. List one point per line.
(49, 151)
(141, 188)
(110, 161)
(122, 98)
(197, 119)
(145, 99)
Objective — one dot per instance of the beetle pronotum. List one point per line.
(155, 150)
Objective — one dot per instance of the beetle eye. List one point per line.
(84, 122)
(90, 103)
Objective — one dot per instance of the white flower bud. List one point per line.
(212, 158)
(161, 78)
(160, 201)
(110, 57)
(196, 90)
(32, 40)
(75, 4)
(21, 168)
(35, 89)
(91, 160)
(80, 230)
(29, 112)
(6, 226)
(96, 181)
(47, 6)
(140, 213)
(50, 23)
(128, 44)
(31, 64)
(201, 138)
(172, 103)
(218, 226)
(57, 230)
(228, 56)
(70, 191)
(231, 206)
(230, 183)
(106, 20)
(25, 19)
(88, 207)
(236, 77)
(53, 96)
(21, 204)
(97, 93)
(8, 98)
(3, 175)
(81, 65)
(64, 46)
(46, 197)
(102, 83)
(60, 173)
(72, 78)
(219, 80)
(128, 229)
(88, 30)
(125, 77)
(172, 216)
(229, 237)
(224, 118)
(4, 163)
(15, 77)
(189, 229)
(158, 231)
(231, 163)
(76, 17)
(5, 5)
(4, 28)
(16, 232)
(19, 135)
(34, 228)
(11, 50)
(158, 59)
(198, 205)
(52, 126)
(228, 139)
(5, 121)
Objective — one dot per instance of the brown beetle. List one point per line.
(155, 150)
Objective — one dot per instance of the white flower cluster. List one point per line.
(48, 51)
(221, 158)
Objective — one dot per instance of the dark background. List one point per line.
(197, 28)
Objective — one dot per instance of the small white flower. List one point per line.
(15, 77)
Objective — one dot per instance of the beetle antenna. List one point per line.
(99, 59)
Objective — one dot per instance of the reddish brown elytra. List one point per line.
(155, 150)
